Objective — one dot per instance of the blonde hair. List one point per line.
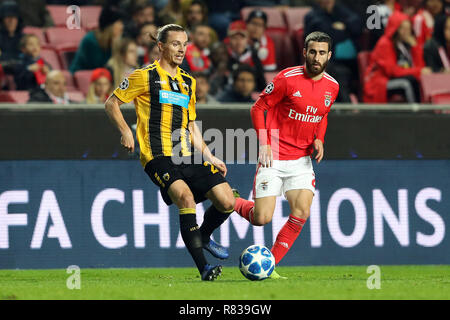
(117, 60)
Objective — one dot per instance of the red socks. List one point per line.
(286, 237)
(245, 209)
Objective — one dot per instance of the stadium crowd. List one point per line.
(54, 52)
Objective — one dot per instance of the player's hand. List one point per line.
(265, 156)
(220, 165)
(127, 141)
(318, 146)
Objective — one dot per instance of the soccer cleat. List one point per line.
(210, 273)
(236, 193)
(216, 250)
(276, 276)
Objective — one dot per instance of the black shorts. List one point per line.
(199, 177)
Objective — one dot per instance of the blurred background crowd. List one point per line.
(68, 51)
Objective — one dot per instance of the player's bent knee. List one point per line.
(301, 213)
(227, 204)
(261, 218)
(186, 200)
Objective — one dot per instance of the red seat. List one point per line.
(434, 84)
(443, 98)
(51, 57)
(90, 16)
(270, 75)
(21, 97)
(63, 37)
(295, 17)
(38, 32)
(58, 14)
(76, 96)
(275, 18)
(286, 56)
(70, 83)
(83, 80)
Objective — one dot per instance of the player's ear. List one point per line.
(329, 54)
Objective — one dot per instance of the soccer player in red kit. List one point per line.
(297, 102)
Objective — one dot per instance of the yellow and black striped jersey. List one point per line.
(164, 106)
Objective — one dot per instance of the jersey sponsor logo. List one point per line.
(269, 88)
(174, 98)
(124, 84)
(304, 117)
(297, 94)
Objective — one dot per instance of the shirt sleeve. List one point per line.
(131, 87)
(192, 102)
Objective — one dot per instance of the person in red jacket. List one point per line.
(396, 63)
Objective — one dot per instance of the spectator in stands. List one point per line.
(220, 72)
(95, 48)
(344, 27)
(10, 31)
(197, 52)
(54, 90)
(32, 70)
(384, 10)
(197, 13)
(437, 49)
(142, 14)
(146, 34)
(263, 45)
(124, 60)
(222, 13)
(244, 83)
(267, 3)
(423, 20)
(100, 87)
(153, 52)
(202, 94)
(173, 12)
(34, 13)
(240, 52)
(396, 64)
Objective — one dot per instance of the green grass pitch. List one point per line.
(334, 282)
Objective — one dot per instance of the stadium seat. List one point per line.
(37, 32)
(441, 98)
(76, 96)
(21, 97)
(66, 55)
(51, 57)
(82, 80)
(275, 18)
(435, 84)
(90, 16)
(295, 17)
(70, 83)
(62, 37)
(58, 14)
(270, 75)
(298, 43)
(285, 53)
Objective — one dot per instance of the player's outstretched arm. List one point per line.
(112, 108)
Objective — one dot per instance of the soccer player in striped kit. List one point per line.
(297, 102)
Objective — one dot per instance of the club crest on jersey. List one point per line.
(166, 177)
(269, 88)
(124, 84)
(327, 100)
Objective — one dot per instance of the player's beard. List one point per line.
(312, 71)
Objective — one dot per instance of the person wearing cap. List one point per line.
(10, 31)
(240, 52)
(96, 47)
(263, 44)
(100, 87)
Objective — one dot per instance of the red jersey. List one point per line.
(298, 107)
(197, 59)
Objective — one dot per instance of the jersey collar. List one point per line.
(178, 76)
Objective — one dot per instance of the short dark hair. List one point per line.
(318, 36)
(163, 32)
(243, 68)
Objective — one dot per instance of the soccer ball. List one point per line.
(256, 262)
